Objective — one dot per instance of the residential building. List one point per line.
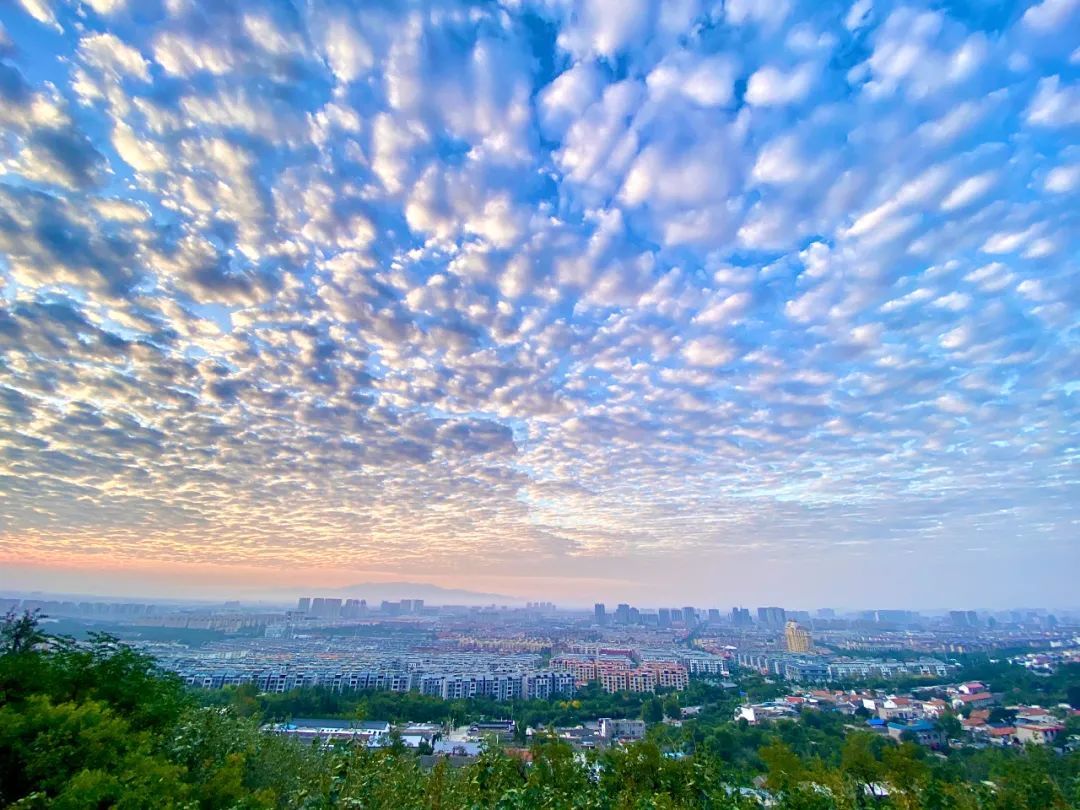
(1037, 733)
(774, 617)
(798, 639)
(622, 729)
(924, 732)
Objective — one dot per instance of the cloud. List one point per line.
(445, 287)
(770, 87)
(40, 10)
(1054, 105)
(348, 55)
(108, 53)
(107, 6)
(969, 190)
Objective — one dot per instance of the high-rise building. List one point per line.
(689, 616)
(318, 607)
(714, 616)
(964, 618)
(622, 613)
(600, 613)
(635, 616)
(304, 605)
(332, 608)
(351, 609)
(663, 617)
(774, 617)
(740, 617)
(798, 639)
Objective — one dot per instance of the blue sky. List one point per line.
(742, 301)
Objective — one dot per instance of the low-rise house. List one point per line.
(897, 708)
(1033, 714)
(975, 701)
(457, 748)
(329, 730)
(924, 733)
(772, 710)
(621, 729)
(935, 707)
(1038, 734)
(1001, 735)
(502, 730)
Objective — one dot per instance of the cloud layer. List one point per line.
(450, 288)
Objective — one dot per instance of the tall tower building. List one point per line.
(798, 639)
(304, 605)
(771, 616)
(600, 613)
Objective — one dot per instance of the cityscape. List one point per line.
(538, 651)
(449, 683)
(539, 405)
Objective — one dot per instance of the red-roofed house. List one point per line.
(975, 701)
(1002, 735)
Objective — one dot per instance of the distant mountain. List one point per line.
(432, 594)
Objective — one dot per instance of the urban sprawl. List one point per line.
(851, 663)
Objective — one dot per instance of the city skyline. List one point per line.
(735, 303)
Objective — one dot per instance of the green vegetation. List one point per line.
(97, 725)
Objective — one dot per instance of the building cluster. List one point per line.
(821, 669)
(459, 744)
(330, 608)
(916, 716)
(636, 669)
(1047, 662)
(515, 685)
(626, 615)
(104, 611)
(621, 673)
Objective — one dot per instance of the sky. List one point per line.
(686, 301)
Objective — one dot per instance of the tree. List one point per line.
(999, 714)
(652, 710)
(951, 726)
(672, 708)
(904, 766)
(785, 768)
(21, 633)
(857, 759)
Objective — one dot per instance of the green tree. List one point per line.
(652, 710)
(20, 633)
(951, 726)
(857, 760)
(785, 769)
(672, 708)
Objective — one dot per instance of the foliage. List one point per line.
(97, 725)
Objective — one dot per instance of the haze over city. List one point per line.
(625, 301)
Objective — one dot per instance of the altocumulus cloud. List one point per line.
(456, 285)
